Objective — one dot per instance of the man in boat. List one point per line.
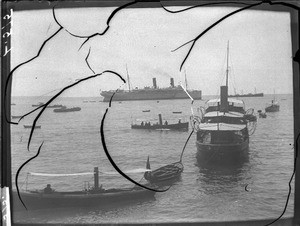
(179, 121)
(142, 124)
(166, 122)
(48, 189)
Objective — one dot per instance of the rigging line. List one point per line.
(296, 148)
(9, 77)
(19, 170)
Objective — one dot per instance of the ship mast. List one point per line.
(227, 70)
(128, 78)
(185, 79)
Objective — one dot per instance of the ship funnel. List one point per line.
(160, 119)
(96, 178)
(224, 99)
(154, 83)
(172, 82)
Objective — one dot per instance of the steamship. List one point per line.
(151, 93)
(225, 127)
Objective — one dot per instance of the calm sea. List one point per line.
(72, 144)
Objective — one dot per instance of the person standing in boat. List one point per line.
(48, 189)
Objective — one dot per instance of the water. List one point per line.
(72, 144)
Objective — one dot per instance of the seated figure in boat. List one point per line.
(48, 189)
(166, 123)
(142, 124)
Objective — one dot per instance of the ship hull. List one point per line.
(178, 126)
(37, 200)
(273, 108)
(222, 153)
(151, 95)
(248, 95)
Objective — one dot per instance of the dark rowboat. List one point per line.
(65, 109)
(30, 126)
(177, 112)
(146, 110)
(163, 174)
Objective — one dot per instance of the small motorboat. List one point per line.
(37, 105)
(65, 109)
(55, 106)
(30, 126)
(273, 107)
(162, 126)
(177, 112)
(146, 110)
(166, 173)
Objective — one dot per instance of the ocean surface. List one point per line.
(72, 144)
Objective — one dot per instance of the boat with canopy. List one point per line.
(89, 196)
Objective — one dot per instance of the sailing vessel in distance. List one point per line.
(224, 128)
(151, 93)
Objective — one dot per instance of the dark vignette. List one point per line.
(296, 59)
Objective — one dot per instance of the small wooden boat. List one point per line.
(95, 196)
(55, 106)
(65, 109)
(16, 116)
(177, 112)
(163, 174)
(146, 110)
(160, 126)
(30, 126)
(37, 105)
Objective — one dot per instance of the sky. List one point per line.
(142, 40)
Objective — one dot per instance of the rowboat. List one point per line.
(30, 126)
(165, 173)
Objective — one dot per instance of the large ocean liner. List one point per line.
(151, 93)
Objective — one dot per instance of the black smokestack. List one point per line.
(154, 83)
(172, 82)
(160, 119)
(224, 99)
